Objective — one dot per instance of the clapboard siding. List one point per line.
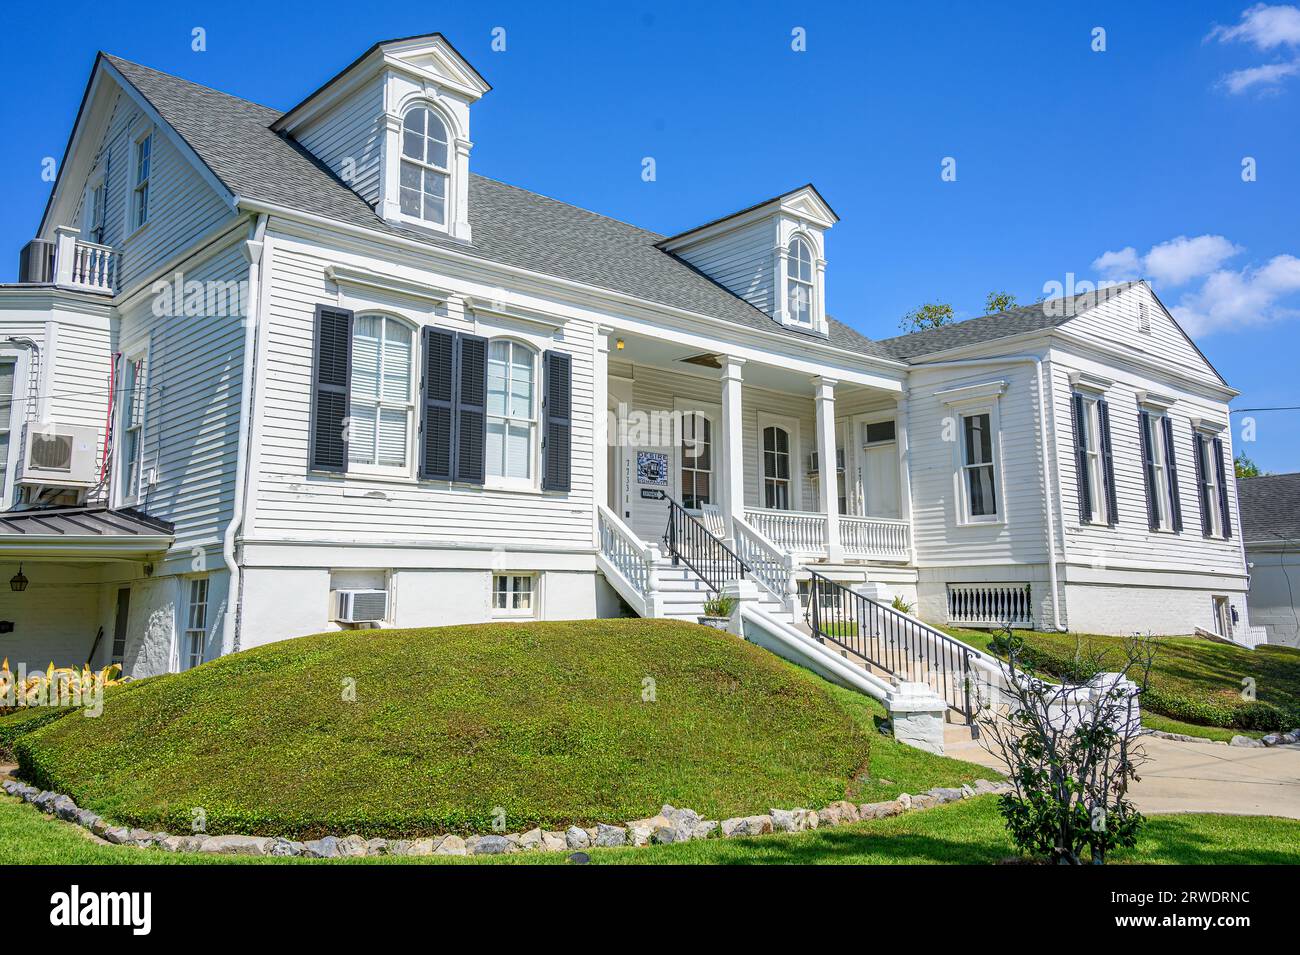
(349, 140)
(742, 261)
(939, 538)
(1115, 321)
(1131, 543)
(296, 504)
(182, 206)
(191, 429)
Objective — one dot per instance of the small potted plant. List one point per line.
(718, 611)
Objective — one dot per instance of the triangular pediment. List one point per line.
(805, 203)
(436, 59)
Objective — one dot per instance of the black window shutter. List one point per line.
(1107, 463)
(1149, 470)
(557, 421)
(1077, 413)
(1202, 489)
(330, 389)
(1171, 473)
(471, 409)
(437, 391)
(1221, 474)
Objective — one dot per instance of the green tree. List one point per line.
(998, 302)
(1245, 467)
(929, 315)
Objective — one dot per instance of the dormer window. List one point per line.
(799, 281)
(425, 168)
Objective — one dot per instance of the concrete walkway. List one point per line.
(1191, 777)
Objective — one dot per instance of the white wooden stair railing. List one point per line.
(628, 562)
(771, 567)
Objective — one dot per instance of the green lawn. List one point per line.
(1196, 684)
(545, 720)
(969, 832)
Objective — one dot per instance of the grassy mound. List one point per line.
(543, 721)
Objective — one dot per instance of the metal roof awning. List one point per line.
(83, 532)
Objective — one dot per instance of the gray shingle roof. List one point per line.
(1270, 507)
(1014, 321)
(510, 226)
(63, 522)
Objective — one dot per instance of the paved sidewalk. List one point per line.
(1192, 777)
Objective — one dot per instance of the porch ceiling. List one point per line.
(669, 354)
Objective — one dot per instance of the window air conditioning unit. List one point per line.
(813, 463)
(360, 606)
(61, 455)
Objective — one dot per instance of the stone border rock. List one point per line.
(1272, 739)
(669, 826)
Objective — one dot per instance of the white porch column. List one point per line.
(600, 436)
(905, 472)
(733, 450)
(827, 480)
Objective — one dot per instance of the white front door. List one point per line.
(880, 495)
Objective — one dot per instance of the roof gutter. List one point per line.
(1049, 486)
(234, 594)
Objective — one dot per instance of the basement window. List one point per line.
(514, 595)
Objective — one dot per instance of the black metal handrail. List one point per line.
(689, 542)
(892, 641)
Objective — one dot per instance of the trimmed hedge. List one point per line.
(22, 721)
(1176, 699)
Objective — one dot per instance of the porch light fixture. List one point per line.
(18, 582)
(618, 345)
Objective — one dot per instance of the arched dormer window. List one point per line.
(799, 281)
(426, 166)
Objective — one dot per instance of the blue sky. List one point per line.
(1069, 160)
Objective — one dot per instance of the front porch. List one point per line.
(743, 442)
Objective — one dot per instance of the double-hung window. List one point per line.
(196, 622)
(141, 173)
(697, 460)
(979, 472)
(1164, 512)
(1211, 479)
(1094, 464)
(133, 402)
(776, 468)
(383, 394)
(425, 166)
(8, 370)
(799, 281)
(511, 411)
(96, 220)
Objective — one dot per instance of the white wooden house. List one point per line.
(270, 373)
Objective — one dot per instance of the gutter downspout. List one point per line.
(1049, 487)
(252, 250)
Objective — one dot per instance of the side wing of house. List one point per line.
(138, 336)
(1148, 496)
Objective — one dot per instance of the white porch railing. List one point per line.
(991, 605)
(772, 567)
(81, 263)
(627, 557)
(804, 533)
(93, 266)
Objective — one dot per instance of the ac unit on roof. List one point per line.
(60, 455)
(360, 606)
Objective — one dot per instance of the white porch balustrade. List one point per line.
(804, 533)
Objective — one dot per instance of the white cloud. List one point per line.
(1268, 29)
(1230, 300)
(1118, 266)
(1272, 75)
(1179, 260)
(1171, 263)
(1264, 27)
